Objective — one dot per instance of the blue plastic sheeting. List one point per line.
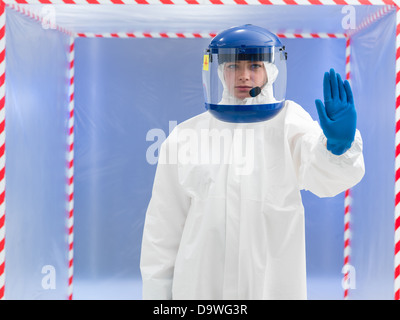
(129, 94)
(308, 59)
(36, 131)
(373, 61)
(201, 18)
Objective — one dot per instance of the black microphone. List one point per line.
(254, 92)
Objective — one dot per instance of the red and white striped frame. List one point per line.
(156, 35)
(347, 198)
(397, 167)
(70, 167)
(177, 35)
(347, 239)
(210, 2)
(2, 149)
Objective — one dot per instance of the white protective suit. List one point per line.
(226, 219)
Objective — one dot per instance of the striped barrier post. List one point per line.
(2, 149)
(347, 199)
(397, 167)
(70, 167)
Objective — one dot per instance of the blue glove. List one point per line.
(338, 117)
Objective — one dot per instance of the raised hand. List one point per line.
(338, 116)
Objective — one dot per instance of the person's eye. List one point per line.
(256, 66)
(231, 66)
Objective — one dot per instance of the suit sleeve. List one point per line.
(318, 170)
(164, 222)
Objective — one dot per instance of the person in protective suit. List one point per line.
(216, 231)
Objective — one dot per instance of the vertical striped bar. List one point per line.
(2, 149)
(347, 198)
(397, 167)
(347, 239)
(70, 168)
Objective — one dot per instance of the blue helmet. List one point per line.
(244, 75)
(246, 36)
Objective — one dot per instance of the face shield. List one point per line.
(245, 83)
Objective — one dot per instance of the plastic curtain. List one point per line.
(308, 60)
(36, 113)
(202, 18)
(373, 78)
(128, 95)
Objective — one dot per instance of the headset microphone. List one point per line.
(254, 92)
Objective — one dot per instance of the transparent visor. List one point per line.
(250, 76)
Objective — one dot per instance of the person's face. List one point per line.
(242, 76)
